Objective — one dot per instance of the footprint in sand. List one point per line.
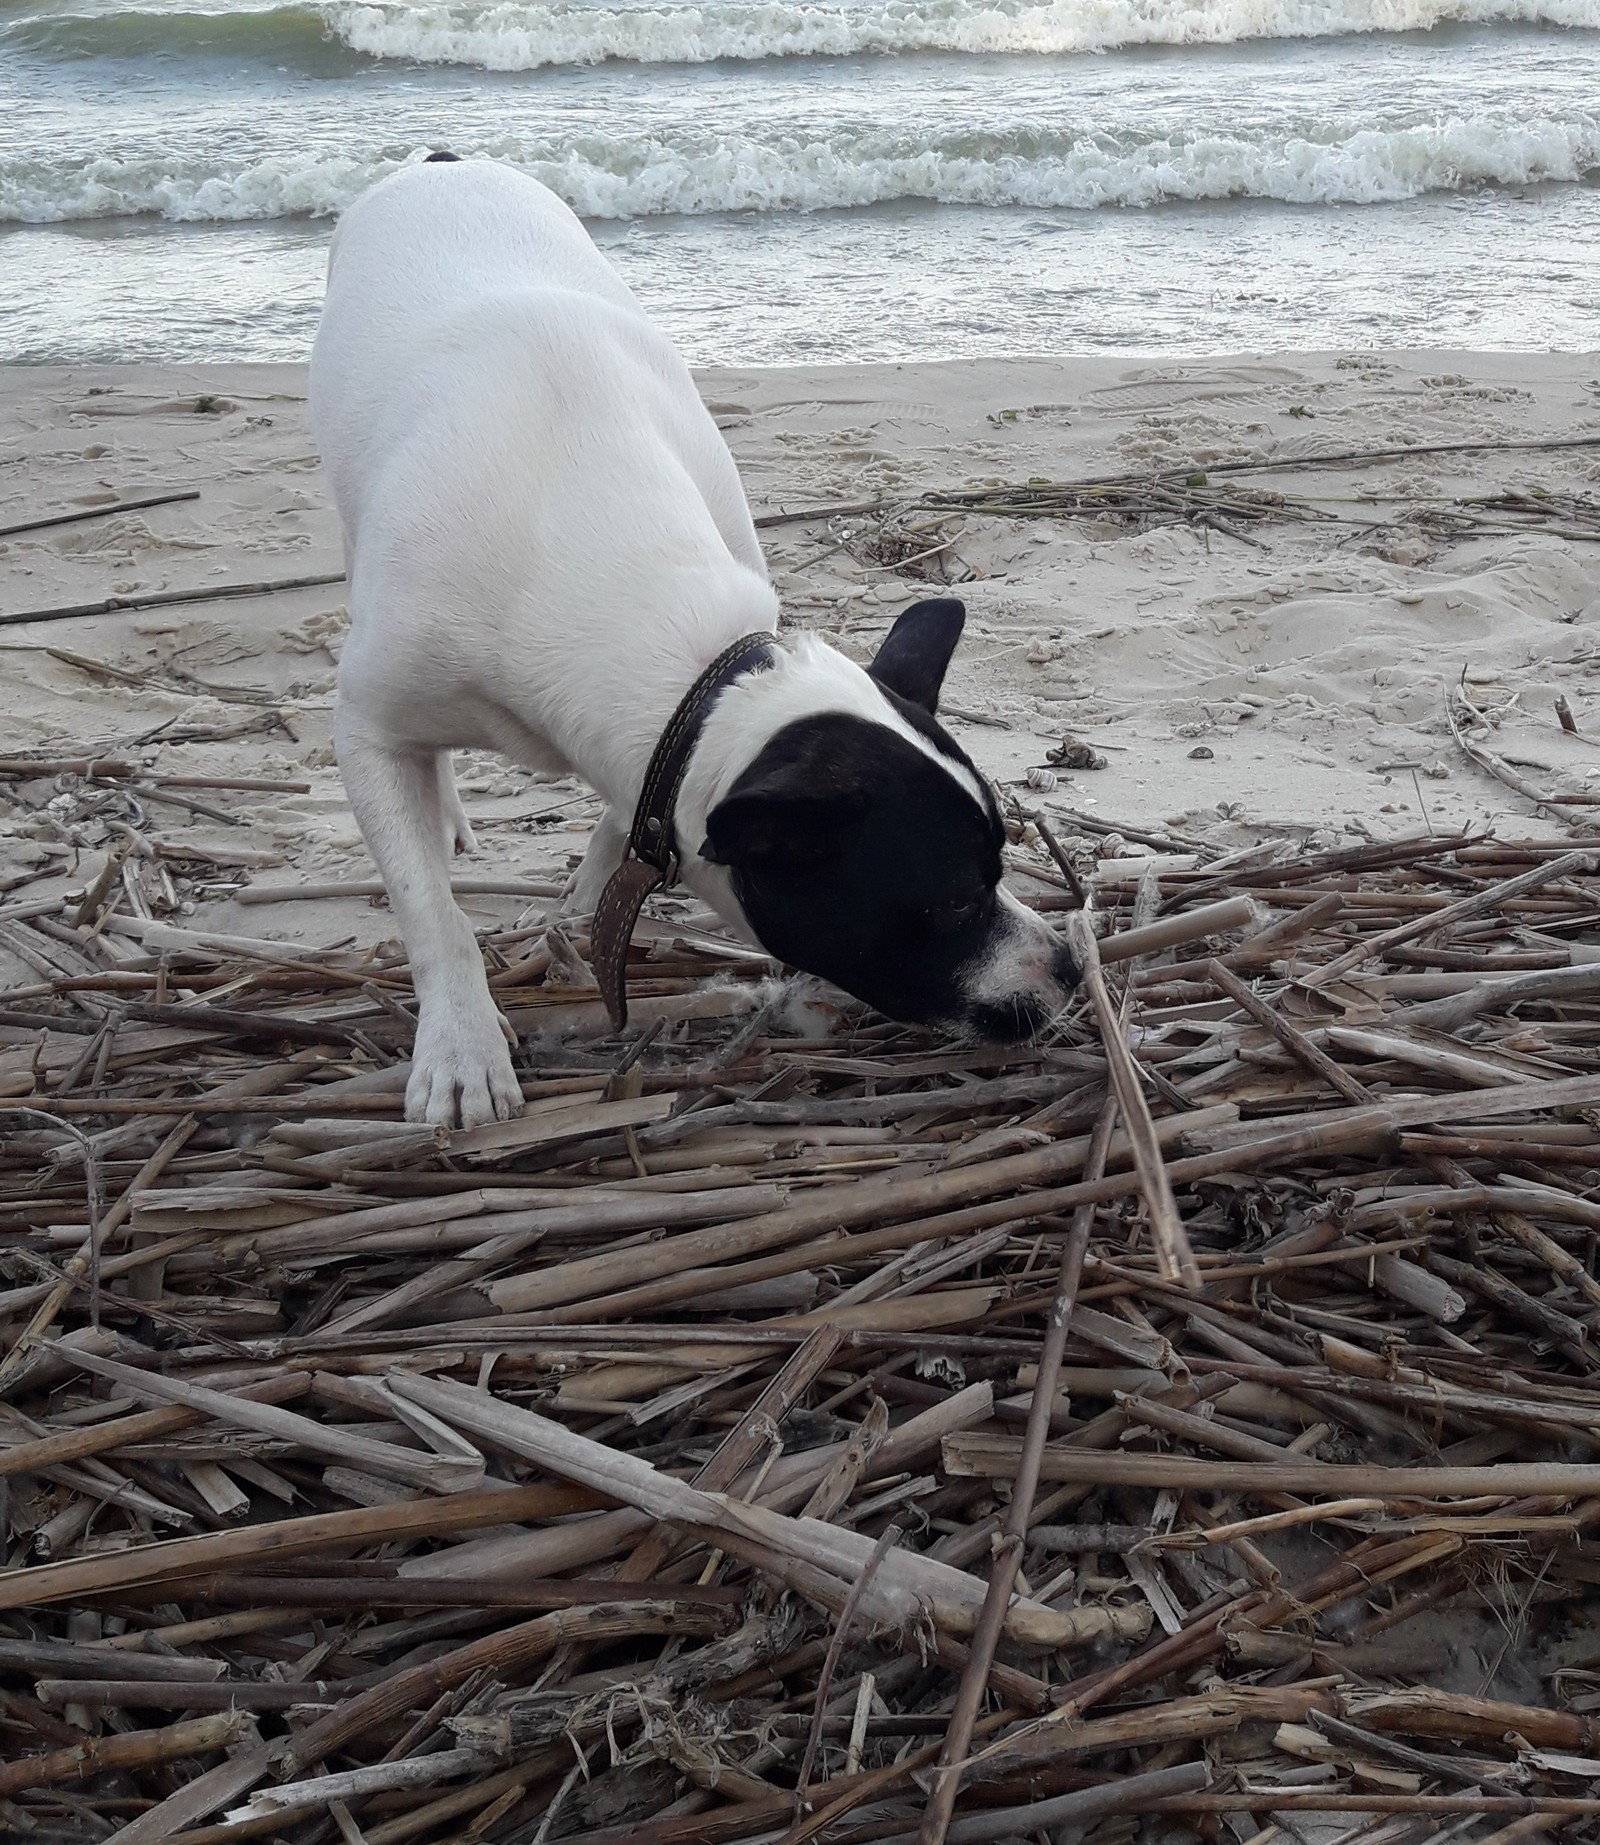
(1152, 390)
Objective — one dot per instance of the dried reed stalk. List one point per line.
(1166, 1225)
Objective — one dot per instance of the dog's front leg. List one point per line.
(461, 1066)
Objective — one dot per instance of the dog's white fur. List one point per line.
(547, 543)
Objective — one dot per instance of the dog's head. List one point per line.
(864, 846)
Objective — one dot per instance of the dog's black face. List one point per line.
(860, 856)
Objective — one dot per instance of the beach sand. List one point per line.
(1301, 664)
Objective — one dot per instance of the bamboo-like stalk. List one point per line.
(903, 1584)
(66, 1445)
(179, 1558)
(1481, 903)
(1294, 1041)
(1173, 931)
(441, 1473)
(935, 1828)
(134, 1749)
(1166, 1225)
(1131, 1794)
(998, 1457)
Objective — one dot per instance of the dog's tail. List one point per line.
(432, 157)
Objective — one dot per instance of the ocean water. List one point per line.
(787, 181)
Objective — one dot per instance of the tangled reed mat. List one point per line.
(1182, 1427)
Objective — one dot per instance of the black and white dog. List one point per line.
(547, 543)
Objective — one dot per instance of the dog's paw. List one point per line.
(459, 838)
(580, 896)
(458, 834)
(461, 1074)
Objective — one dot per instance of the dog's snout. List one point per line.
(1021, 984)
(1010, 1020)
(1026, 1012)
(1063, 969)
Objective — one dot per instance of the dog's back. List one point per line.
(522, 463)
(430, 272)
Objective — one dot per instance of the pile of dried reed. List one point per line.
(857, 1437)
(899, 535)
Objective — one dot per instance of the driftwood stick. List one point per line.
(109, 768)
(135, 504)
(1402, 1755)
(1550, 1810)
(1456, 1009)
(803, 514)
(1341, 456)
(166, 598)
(367, 1592)
(163, 1694)
(352, 1784)
(106, 768)
(436, 1472)
(1251, 1527)
(1503, 772)
(1063, 864)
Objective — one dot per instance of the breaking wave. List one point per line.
(698, 173)
(523, 35)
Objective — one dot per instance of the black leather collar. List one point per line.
(651, 859)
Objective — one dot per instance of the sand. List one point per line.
(1300, 666)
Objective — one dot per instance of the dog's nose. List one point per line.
(1010, 1020)
(1063, 969)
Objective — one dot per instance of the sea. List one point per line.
(810, 181)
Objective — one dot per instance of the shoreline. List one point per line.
(1303, 653)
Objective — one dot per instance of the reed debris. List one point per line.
(1188, 1420)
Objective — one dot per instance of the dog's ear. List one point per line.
(779, 817)
(917, 649)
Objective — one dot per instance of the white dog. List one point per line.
(547, 545)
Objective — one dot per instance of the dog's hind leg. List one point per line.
(461, 1066)
(607, 844)
(458, 833)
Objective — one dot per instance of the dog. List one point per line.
(547, 544)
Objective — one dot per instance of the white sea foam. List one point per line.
(519, 35)
(698, 173)
(511, 35)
